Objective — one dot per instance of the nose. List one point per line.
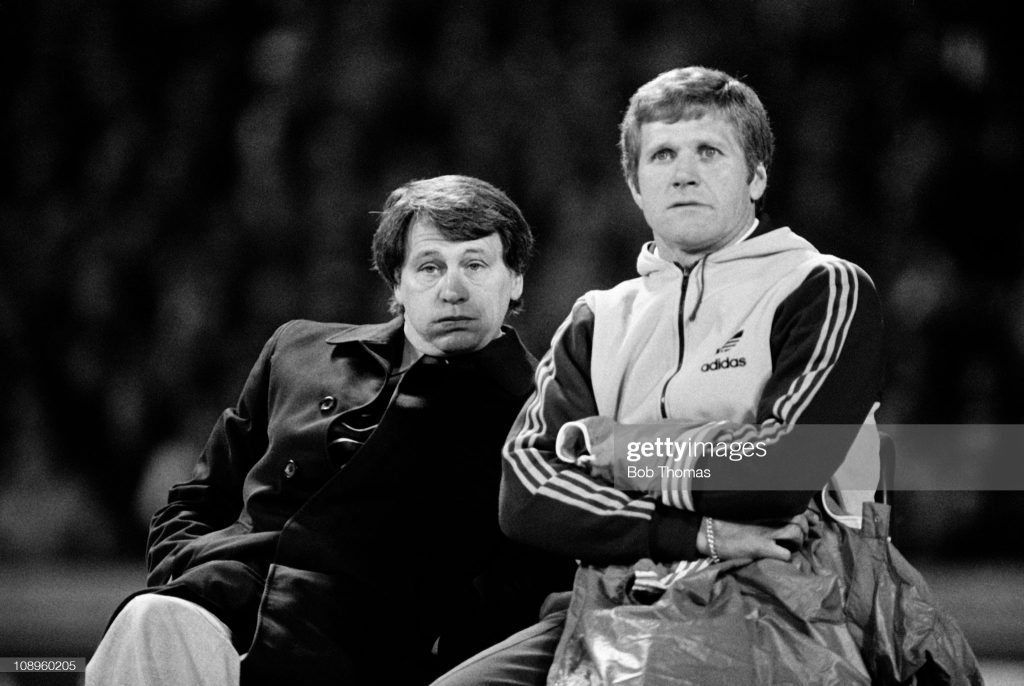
(684, 173)
(453, 288)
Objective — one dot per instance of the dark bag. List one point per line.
(848, 609)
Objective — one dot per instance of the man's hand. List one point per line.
(734, 540)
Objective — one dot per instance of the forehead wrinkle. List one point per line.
(663, 136)
(429, 247)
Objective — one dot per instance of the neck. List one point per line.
(416, 346)
(686, 259)
(683, 258)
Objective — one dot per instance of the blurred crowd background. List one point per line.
(182, 176)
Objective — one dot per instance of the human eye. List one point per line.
(662, 155)
(428, 269)
(708, 152)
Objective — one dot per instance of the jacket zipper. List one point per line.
(682, 347)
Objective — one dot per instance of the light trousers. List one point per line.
(161, 640)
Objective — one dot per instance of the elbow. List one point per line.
(516, 508)
(520, 520)
(510, 520)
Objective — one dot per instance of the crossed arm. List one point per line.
(826, 369)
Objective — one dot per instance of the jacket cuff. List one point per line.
(674, 534)
(573, 444)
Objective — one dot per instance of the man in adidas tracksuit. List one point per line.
(734, 332)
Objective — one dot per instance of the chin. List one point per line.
(459, 342)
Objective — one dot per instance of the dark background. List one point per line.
(180, 177)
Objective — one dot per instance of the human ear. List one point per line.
(517, 287)
(635, 192)
(396, 293)
(759, 183)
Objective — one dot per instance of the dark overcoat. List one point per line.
(385, 570)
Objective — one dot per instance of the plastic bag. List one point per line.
(848, 609)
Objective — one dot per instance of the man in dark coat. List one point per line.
(341, 524)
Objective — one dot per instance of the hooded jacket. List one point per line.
(757, 340)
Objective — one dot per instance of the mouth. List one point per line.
(685, 205)
(453, 322)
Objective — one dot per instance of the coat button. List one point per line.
(290, 469)
(327, 404)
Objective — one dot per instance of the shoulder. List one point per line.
(617, 299)
(833, 290)
(303, 333)
(835, 274)
(302, 330)
(818, 267)
(333, 332)
(622, 291)
(579, 323)
(306, 327)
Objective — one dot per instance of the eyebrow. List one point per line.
(429, 252)
(706, 139)
(434, 252)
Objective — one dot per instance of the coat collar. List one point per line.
(379, 334)
(505, 359)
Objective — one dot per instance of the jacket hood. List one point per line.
(758, 245)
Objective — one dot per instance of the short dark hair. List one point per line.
(462, 208)
(690, 93)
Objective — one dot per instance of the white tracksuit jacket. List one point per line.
(761, 343)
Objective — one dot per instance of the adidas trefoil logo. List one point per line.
(731, 343)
